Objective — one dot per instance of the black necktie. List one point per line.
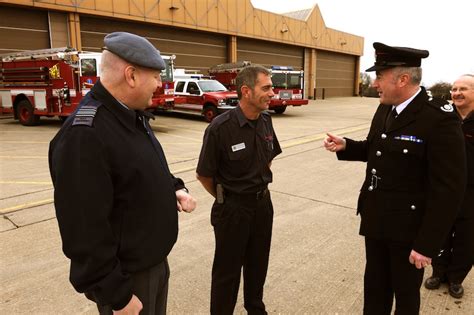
(391, 118)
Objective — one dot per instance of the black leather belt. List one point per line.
(258, 195)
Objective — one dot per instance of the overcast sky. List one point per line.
(445, 28)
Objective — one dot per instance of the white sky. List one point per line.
(444, 28)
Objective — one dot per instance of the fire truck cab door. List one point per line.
(193, 94)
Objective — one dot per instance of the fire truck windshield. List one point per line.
(89, 67)
(286, 80)
(167, 74)
(211, 86)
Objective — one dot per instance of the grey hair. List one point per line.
(248, 76)
(413, 72)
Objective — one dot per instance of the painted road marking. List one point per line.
(26, 205)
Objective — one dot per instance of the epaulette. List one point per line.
(441, 104)
(85, 114)
(220, 119)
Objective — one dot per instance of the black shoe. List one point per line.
(456, 290)
(433, 283)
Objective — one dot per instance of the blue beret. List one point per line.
(391, 56)
(134, 49)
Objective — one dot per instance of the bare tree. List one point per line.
(441, 90)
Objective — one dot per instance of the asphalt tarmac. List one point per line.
(317, 257)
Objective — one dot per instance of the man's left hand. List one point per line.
(419, 260)
(186, 202)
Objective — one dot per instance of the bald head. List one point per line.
(112, 68)
(462, 94)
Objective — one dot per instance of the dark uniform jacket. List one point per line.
(467, 209)
(114, 196)
(416, 174)
(237, 152)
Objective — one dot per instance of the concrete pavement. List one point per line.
(317, 258)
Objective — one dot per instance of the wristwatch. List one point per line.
(185, 189)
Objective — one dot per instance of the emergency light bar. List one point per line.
(289, 68)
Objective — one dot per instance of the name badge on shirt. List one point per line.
(238, 147)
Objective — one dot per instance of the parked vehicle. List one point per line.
(288, 84)
(206, 97)
(52, 82)
(163, 98)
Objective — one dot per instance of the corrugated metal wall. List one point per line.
(335, 73)
(269, 53)
(22, 29)
(194, 50)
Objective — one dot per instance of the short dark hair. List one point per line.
(248, 76)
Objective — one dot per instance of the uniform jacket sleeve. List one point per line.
(209, 156)
(355, 151)
(84, 200)
(446, 185)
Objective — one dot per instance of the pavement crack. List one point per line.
(312, 199)
(8, 219)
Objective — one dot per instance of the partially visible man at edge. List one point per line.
(414, 184)
(115, 198)
(457, 256)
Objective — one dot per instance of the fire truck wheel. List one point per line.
(280, 109)
(209, 113)
(25, 114)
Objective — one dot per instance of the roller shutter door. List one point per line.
(335, 74)
(270, 53)
(194, 50)
(23, 29)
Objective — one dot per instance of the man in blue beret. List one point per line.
(414, 182)
(115, 198)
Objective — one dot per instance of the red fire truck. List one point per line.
(46, 82)
(52, 82)
(287, 83)
(163, 98)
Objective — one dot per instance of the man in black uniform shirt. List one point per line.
(414, 184)
(234, 167)
(457, 256)
(116, 200)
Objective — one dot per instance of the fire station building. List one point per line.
(200, 33)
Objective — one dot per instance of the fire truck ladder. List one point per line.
(50, 53)
(229, 66)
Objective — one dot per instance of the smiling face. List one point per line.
(462, 93)
(147, 81)
(262, 93)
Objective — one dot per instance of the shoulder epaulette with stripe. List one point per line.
(86, 112)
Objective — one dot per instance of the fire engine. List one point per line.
(287, 83)
(163, 98)
(46, 82)
(52, 82)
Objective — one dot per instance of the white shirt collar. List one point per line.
(402, 106)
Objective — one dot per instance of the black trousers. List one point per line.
(151, 287)
(243, 230)
(457, 256)
(387, 273)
